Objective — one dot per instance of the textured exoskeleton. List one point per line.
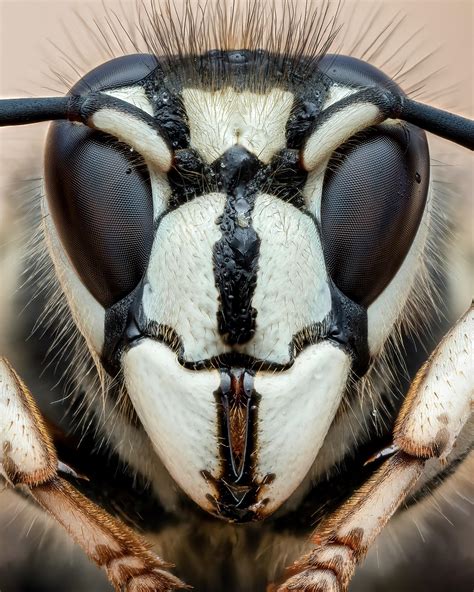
(241, 226)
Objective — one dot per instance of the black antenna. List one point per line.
(440, 123)
(79, 108)
(71, 107)
(24, 111)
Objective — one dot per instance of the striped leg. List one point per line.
(438, 405)
(28, 460)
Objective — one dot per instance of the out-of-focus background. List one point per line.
(43, 45)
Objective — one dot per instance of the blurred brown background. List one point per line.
(436, 35)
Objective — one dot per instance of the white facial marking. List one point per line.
(161, 190)
(180, 289)
(292, 289)
(220, 119)
(313, 190)
(88, 314)
(336, 93)
(178, 411)
(136, 133)
(135, 95)
(295, 412)
(336, 130)
(383, 313)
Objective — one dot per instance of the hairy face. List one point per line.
(240, 268)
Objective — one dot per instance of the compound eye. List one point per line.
(99, 193)
(353, 73)
(373, 199)
(127, 70)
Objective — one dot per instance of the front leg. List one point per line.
(28, 460)
(438, 405)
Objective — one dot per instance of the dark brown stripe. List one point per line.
(237, 489)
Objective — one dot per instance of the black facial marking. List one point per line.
(237, 488)
(241, 176)
(236, 253)
(190, 177)
(119, 324)
(168, 111)
(243, 69)
(287, 178)
(93, 209)
(347, 326)
(309, 101)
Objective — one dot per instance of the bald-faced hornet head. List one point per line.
(236, 232)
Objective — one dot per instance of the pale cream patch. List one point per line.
(384, 312)
(87, 313)
(313, 190)
(180, 289)
(161, 190)
(292, 290)
(135, 95)
(336, 130)
(336, 93)
(136, 133)
(295, 412)
(220, 119)
(177, 408)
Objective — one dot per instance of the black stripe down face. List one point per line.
(100, 195)
(235, 284)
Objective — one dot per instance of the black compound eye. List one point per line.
(373, 199)
(119, 72)
(353, 72)
(99, 193)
